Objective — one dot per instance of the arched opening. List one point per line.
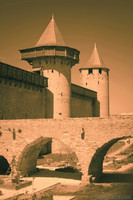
(96, 165)
(48, 157)
(28, 159)
(60, 160)
(5, 168)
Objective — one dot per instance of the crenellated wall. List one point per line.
(22, 94)
(27, 95)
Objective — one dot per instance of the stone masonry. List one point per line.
(32, 134)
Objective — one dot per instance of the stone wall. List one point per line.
(22, 94)
(58, 73)
(98, 80)
(81, 107)
(31, 135)
(27, 95)
(55, 63)
(83, 102)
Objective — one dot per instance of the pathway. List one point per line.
(39, 183)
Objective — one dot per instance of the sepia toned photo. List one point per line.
(66, 99)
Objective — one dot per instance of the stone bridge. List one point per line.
(32, 134)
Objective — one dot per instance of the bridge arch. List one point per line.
(4, 166)
(96, 165)
(27, 160)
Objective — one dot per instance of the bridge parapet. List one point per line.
(98, 132)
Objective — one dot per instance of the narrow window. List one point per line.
(100, 71)
(52, 70)
(86, 83)
(90, 71)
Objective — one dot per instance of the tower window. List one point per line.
(90, 71)
(100, 71)
(52, 70)
(86, 83)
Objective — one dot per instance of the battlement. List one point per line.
(80, 91)
(14, 73)
(99, 69)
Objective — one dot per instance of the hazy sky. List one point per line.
(109, 23)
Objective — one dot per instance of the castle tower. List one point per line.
(96, 77)
(53, 59)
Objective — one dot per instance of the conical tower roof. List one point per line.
(51, 36)
(95, 60)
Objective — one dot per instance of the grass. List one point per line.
(116, 146)
(119, 163)
(116, 164)
(127, 151)
(125, 161)
(114, 191)
(112, 166)
(97, 191)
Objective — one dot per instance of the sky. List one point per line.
(109, 23)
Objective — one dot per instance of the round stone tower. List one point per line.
(53, 59)
(96, 77)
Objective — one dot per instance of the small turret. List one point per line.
(95, 76)
(54, 59)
